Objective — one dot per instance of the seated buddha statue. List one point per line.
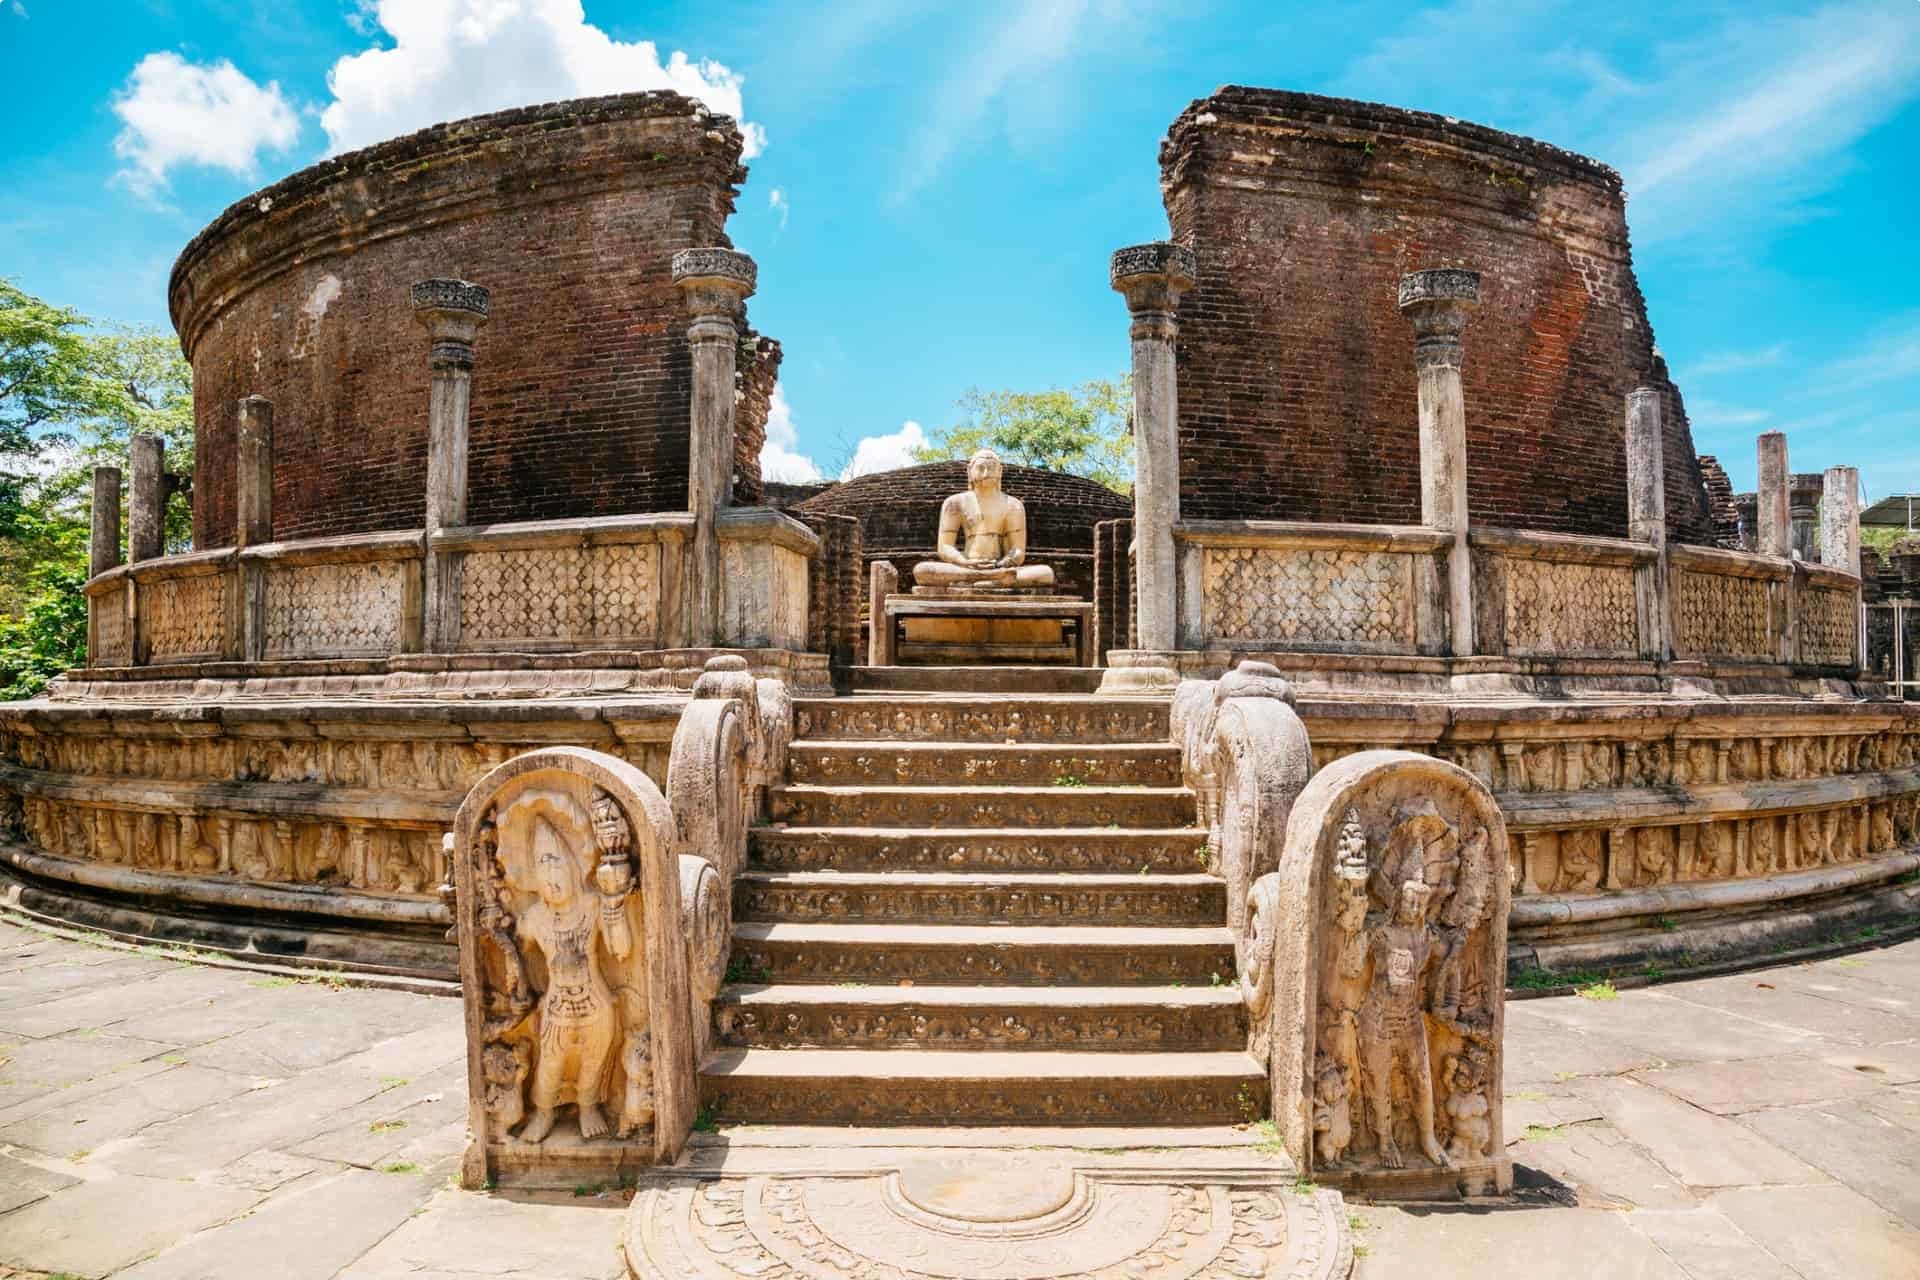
(983, 536)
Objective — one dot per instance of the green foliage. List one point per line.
(1084, 430)
(71, 397)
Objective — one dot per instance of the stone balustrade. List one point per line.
(1545, 595)
(537, 587)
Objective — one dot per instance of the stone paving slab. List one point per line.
(179, 1121)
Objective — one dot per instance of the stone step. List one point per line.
(947, 897)
(964, 955)
(855, 1086)
(973, 807)
(1081, 849)
(1108, 1019)
(929, 764)
(975, 679)
(962, 718)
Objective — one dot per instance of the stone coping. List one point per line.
(213, 891)
(1732, 564)
(358, 548)
(1307, 534)
(1561, 548)
(589, 531)
(1542, 910)
(766, 524)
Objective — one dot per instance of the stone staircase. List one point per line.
(979, 908)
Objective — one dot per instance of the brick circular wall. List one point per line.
(1296, 380)
(899, 514)
(570, 214)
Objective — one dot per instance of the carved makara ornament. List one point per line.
(1386, 1015)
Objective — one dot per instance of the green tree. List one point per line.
(1085, 430)
(71, 397)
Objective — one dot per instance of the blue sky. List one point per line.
(938, 186)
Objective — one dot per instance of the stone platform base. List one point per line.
(937, 1211)
(979, 627)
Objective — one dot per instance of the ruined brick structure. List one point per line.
(1296, 396)
(836, 588)
(899, 512)
(758, 369)
(571, 213)
(1721, 508)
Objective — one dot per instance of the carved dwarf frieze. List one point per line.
(1389, 974)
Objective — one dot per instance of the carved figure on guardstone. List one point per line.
(578, 1019)
(1393, 1034)
(1332, 1109)
(1469, 1114)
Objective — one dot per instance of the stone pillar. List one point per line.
(147, 531)
(1773, 515)
(883, 580)
(103, 552)
(1647, 517)
(1840, 519)
(714, 281)
(452, 312)
(1803, 512)
(253, 473)
(1152, 277)
(1437, 303)
(253, 517)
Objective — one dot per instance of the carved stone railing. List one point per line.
(1826, 617)
(540, 587)
(556, 585)
(355, 597)
(1551, 595)
(1729, 606)
(1273, 586)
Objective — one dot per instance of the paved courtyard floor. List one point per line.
(160, 1118)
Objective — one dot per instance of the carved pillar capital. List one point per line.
(1438, 303)
(1152, 277)
(452, 312)
(714, 282)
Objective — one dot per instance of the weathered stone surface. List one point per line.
(1708, 1246)
(1823, 1232)
(1704, 1151)
(97, 1227)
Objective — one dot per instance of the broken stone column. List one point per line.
(1152, 277)
(253, 473)
(715, 281)
(103, 551)
(147, 523)
(452, 312)
(1647, 517)
(1774, 514)
(1840, 519)
(1438, 302)
(1803, 510)
(253, 516)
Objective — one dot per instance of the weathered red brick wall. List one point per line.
(1296, 380)
(756, 369)
(569, 213)
(899, 513)
(1113, 587)
(836, 587)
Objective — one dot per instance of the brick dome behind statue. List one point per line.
(569, 214)
(899, 514)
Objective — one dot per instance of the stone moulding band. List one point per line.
(1546, 910)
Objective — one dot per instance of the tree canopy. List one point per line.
(71, 397)
(1085, 430)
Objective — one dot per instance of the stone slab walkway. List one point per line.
(159, 1118)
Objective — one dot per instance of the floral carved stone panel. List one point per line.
(1827, 621)
(1716, 616)
(1570, 609)
(326, 610)
(185, 618)
(1390, 965)
(1297, 598)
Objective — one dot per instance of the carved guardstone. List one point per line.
(573, 968)
(1389, 978)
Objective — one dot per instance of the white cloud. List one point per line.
(886, 453)
(457, 58)
(780, 456)
(777, 201)
(19, 9)
(1891, 355)
(176, 112)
